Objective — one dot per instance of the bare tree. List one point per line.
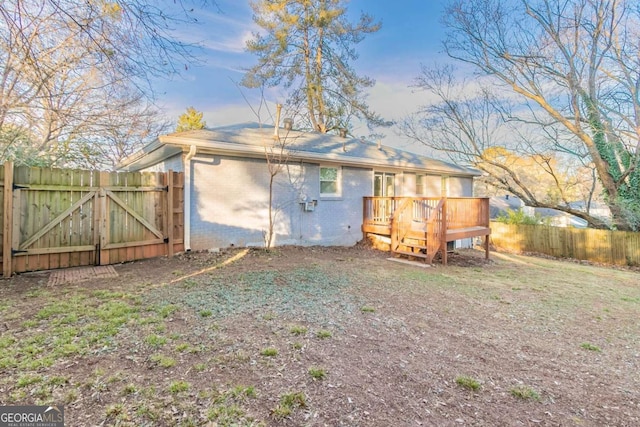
(471, 125)
(123, 127)
(69, 68)
(278, 154)
(575, 67)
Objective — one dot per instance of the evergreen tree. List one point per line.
(307, 47)
(190, 120)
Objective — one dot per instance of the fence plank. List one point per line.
(56, 221)
(2, 214)
(57, 218)
(55, 258)
(64, 179)
(178, 210)
(103, 220)
(168, 213)
(140, 218)
(602, 246)
(7, 218)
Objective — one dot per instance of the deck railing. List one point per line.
(461, 212)
(420, 227)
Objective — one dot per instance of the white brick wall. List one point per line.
(230, 199)
(174, 163)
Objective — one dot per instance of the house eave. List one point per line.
(150, 155)
(215, 147)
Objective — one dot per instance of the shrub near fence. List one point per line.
(604, 246)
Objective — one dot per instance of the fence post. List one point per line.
(170, 212)
(103, 229)
(7, 237)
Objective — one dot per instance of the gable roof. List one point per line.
(250, 140)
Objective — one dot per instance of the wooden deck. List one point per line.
(420, 227)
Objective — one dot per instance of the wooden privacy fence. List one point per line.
(604, 246)
(56, 218)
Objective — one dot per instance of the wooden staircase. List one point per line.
(417, 229)
(420, 227)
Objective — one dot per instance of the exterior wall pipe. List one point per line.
(187, 197)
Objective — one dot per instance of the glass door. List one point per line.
(384, 184)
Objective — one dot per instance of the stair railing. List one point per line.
(400, 222)
(436, 229)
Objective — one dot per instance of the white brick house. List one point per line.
(318, 196)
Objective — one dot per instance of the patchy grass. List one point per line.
(288, 403)
(155, 340)
(178, 387)
(317, 373)
(206, 313)
(269, 352)
(64, 328)
(525, 393)
(298, 330)
(301, 293)
(163, 361)
(182, 347)
(227, 408)
(468, 382)
(129, 389)
(323, 334)
(239, 392)
(233, 347)
(590, 347)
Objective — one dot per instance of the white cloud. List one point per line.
(220, 31)
(225, 45)
(396, 99)
(229, 114)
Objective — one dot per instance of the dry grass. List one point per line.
(549, 342)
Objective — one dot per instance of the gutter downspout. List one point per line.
(187, 197)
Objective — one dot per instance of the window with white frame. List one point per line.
(330, 177)
(421, 187)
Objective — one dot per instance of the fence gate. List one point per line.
(55, 218)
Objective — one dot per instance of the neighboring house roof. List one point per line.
(500, 205)
(250, 139)
(559, 218)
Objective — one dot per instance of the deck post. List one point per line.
(394, 232)
(486, 247)
(443, 231)
(366, 217)
(486, 220)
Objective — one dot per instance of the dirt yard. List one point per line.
(327, 337)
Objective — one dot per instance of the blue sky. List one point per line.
(411, 35)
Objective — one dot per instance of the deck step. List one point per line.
(413, 245)
(413, 234)
(408, 253)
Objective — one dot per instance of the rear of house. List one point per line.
(318, 191)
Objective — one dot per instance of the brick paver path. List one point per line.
(79, 274)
